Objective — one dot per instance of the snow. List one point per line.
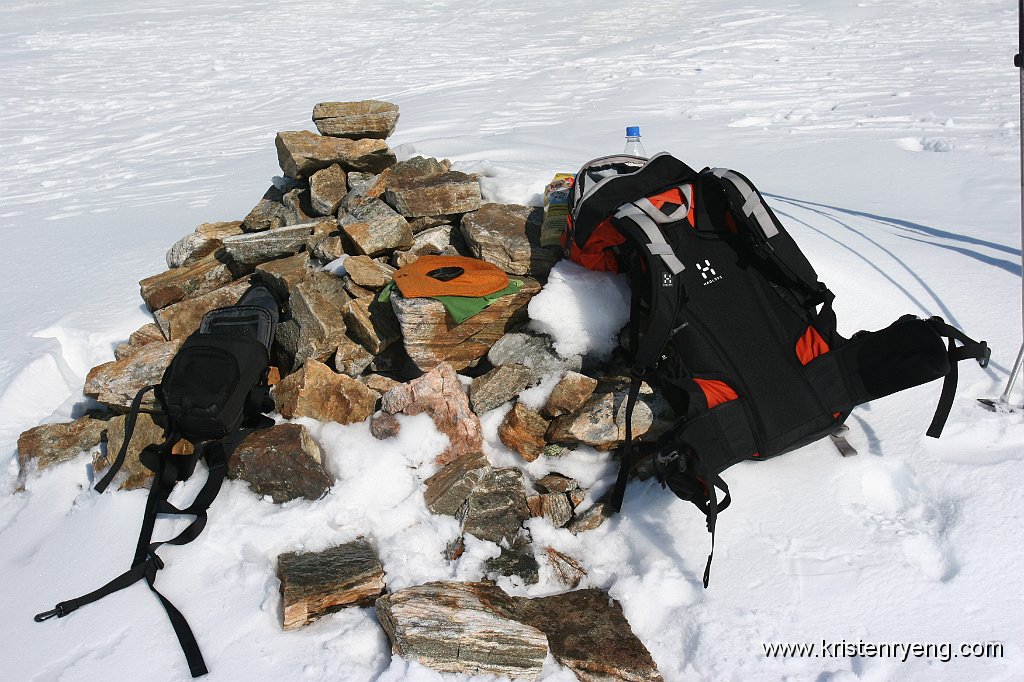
(885, 136)
(581, 310)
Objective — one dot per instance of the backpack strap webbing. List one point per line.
(977, 350)
(146, 562)
(129, 430)
(639, 221)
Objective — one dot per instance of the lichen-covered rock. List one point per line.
(378, 383)
(283, 274)
(498, 386)
(314, 584)
(49, 444)
(302, 153)
(356, 120)
(282, 462)
(411, 170)
(446, 193)
(432, 241)
(508, 235)
(298, 208)
(327, 188)
(384, 425)
(516, 560)
(557, 483)
(317, 391)
(555, 507)
(431, 336)
(188, 281)
(115, 384)
(457, 627)
(594, 517)
(439, 394)
(351, 358)
(269, 211)
(523, 430)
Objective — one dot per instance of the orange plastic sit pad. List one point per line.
(430, 276)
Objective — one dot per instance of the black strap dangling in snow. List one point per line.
(977, 350)
(146, 562)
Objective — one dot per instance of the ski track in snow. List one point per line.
(884, 135)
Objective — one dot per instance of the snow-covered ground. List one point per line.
(885, 135)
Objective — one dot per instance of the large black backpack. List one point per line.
(213, 394)
(731, 323)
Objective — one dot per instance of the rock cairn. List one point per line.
(328, 236)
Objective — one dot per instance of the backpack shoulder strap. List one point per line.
(769, 238)
(129, 431)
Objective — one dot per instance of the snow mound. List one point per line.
(581, 310)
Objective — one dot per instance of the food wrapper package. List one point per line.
(556, 209)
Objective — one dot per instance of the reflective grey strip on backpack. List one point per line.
(657, 246)
(655, 214)
(753, 207)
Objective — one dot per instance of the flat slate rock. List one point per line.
(431, 336)
(369, 118)
(302, 153)
(446, 193)
(188, 281)
(314, 584)
(469, 628)
(498, 386)
(180, 319)
(115, 384)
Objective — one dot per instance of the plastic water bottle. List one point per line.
(633, 145)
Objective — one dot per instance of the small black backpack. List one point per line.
(213, 394)
(731, 323)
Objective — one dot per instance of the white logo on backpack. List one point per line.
(708, 272)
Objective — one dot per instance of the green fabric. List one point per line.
(385, 295)
(461, 308)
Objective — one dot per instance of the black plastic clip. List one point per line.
(57, 612)
(985, 356)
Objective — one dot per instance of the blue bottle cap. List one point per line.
(633, 131)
